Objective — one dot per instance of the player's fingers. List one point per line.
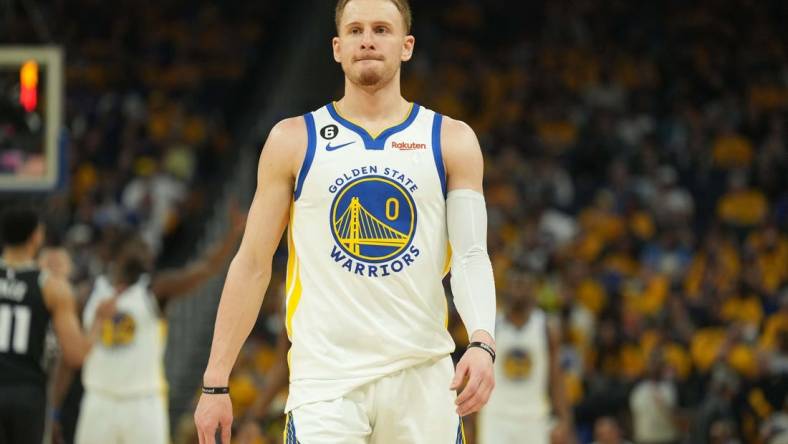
(486, 386)
(226, 431)
(226, 425)
(468, 407)
(473, 405)
(484, 393)
(206, 434)
(459, 375)
(210, 435)
(469, 391)
(476, 401)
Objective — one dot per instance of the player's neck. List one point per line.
(384, 105)
(17, 256)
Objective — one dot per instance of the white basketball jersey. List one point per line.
(521, 369)
(128, 358)
(368, 249)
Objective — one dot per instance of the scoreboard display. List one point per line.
(31, 118)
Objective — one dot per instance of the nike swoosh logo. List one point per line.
(336, 147)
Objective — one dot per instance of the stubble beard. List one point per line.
(372, 76)
(369, 77)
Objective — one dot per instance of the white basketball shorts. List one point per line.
(105, 419)
(412, 406)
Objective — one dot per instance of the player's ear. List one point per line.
(407, 47)
(337, 52)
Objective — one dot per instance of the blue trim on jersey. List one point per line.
(436, 150)
(375, 143)
(310, 153)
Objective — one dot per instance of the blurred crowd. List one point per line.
(150, 91)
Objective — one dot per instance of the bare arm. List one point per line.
(177, 282)
(557, 392)
(462, 156)
(250, 270)
(59, 298)
(62, 378)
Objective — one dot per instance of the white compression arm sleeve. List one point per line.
(472, 280)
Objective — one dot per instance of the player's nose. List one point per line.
(367, 41)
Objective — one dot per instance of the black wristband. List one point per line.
(484, 347)
(216, 390)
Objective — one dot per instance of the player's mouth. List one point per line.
(371, 57)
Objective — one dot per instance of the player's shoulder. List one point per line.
(457, 126)
(288, 131)
(286, 142)
(290, 126)
(456, 134)
(458, 142)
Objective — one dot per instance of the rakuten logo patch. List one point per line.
(408, 146)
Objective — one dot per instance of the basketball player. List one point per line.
(29, 299)
(528, 372)
(374, 189)
(123, 376)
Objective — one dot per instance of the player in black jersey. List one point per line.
(30, 299)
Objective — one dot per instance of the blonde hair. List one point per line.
(402, 5)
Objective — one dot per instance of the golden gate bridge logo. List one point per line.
(357, 227)
(373, 218)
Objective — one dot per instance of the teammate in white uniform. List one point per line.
(124, 382)
(527, 372)
(123, 376)
(374, 189)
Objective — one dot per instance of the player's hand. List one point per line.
(57, 261)
(475, 366)
(213, 412)
(57, 432)
(107, 309)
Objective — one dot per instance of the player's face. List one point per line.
(519, 292)
(135, 255)
(372, 43)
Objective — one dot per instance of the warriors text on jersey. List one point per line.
(368, 248)
(24, 321)
(127, 359)
(522, 369)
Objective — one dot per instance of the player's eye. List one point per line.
(381, 29)
(355, 31)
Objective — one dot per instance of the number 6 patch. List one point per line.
(328, 132)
